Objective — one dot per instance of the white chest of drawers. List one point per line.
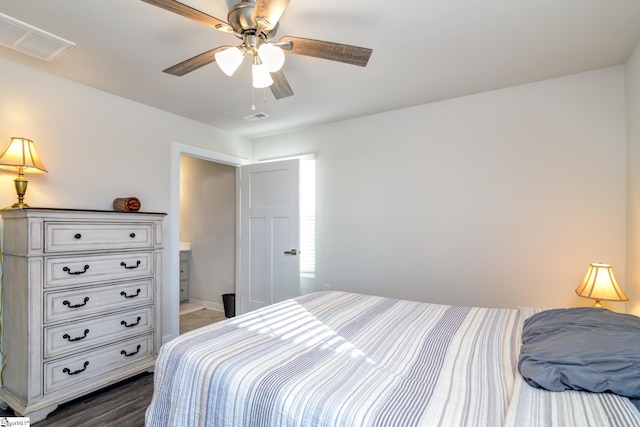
(80, 303)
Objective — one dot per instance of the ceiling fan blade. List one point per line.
(270, 11)
(327, 50)
(191, 13)
(280, 87)
(194, 63)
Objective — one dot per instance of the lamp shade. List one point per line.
(261, 76)
(600, 284)
(229, 60)
(271, 56)
(21, 154)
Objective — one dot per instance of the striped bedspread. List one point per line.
(534, 407)
(341, 359)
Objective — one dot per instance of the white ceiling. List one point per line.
(423, 51)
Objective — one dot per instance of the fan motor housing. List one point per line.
(239, 17)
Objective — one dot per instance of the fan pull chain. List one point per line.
(253, 99)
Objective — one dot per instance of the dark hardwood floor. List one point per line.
(121, 404)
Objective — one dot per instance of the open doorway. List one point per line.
(207, 240)
(171, 291)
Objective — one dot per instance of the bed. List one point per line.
(345, 359)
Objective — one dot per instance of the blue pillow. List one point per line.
(589, 349)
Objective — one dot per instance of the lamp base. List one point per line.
(597, 304)
(21, 184)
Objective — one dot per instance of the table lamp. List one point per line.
(600, 284)
(21, 155)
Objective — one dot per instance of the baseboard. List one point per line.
(207, 304)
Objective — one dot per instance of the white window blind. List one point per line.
(308, 216)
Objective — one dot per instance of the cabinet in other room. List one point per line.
(184, 275)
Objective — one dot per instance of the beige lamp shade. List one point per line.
(21, 153)
(600, 284)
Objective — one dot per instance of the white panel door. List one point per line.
(269, 234)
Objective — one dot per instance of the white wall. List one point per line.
(208, 222)
(497, 199)
(632, 74)
(97, 146)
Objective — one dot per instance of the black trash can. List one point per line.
(229, 302)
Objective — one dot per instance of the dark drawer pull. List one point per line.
(67, 303)
(124, 323)
(75, 273)
(124, 294)
(68, 338)
(130, 267)
(77, 235)
(68, 371)
(132, 235)
(131, 354)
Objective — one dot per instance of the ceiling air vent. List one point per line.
(33, 41)
(256, 116)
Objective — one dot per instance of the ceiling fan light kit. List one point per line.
(255, 22)
(266, 59)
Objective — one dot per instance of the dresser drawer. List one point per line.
(83, 302)
(83, 334)
(61, 271)
(75, 236)
(91, 365)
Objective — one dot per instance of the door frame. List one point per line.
(172, 301)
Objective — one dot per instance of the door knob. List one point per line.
(291, 252)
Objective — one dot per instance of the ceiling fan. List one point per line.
(255, 22)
